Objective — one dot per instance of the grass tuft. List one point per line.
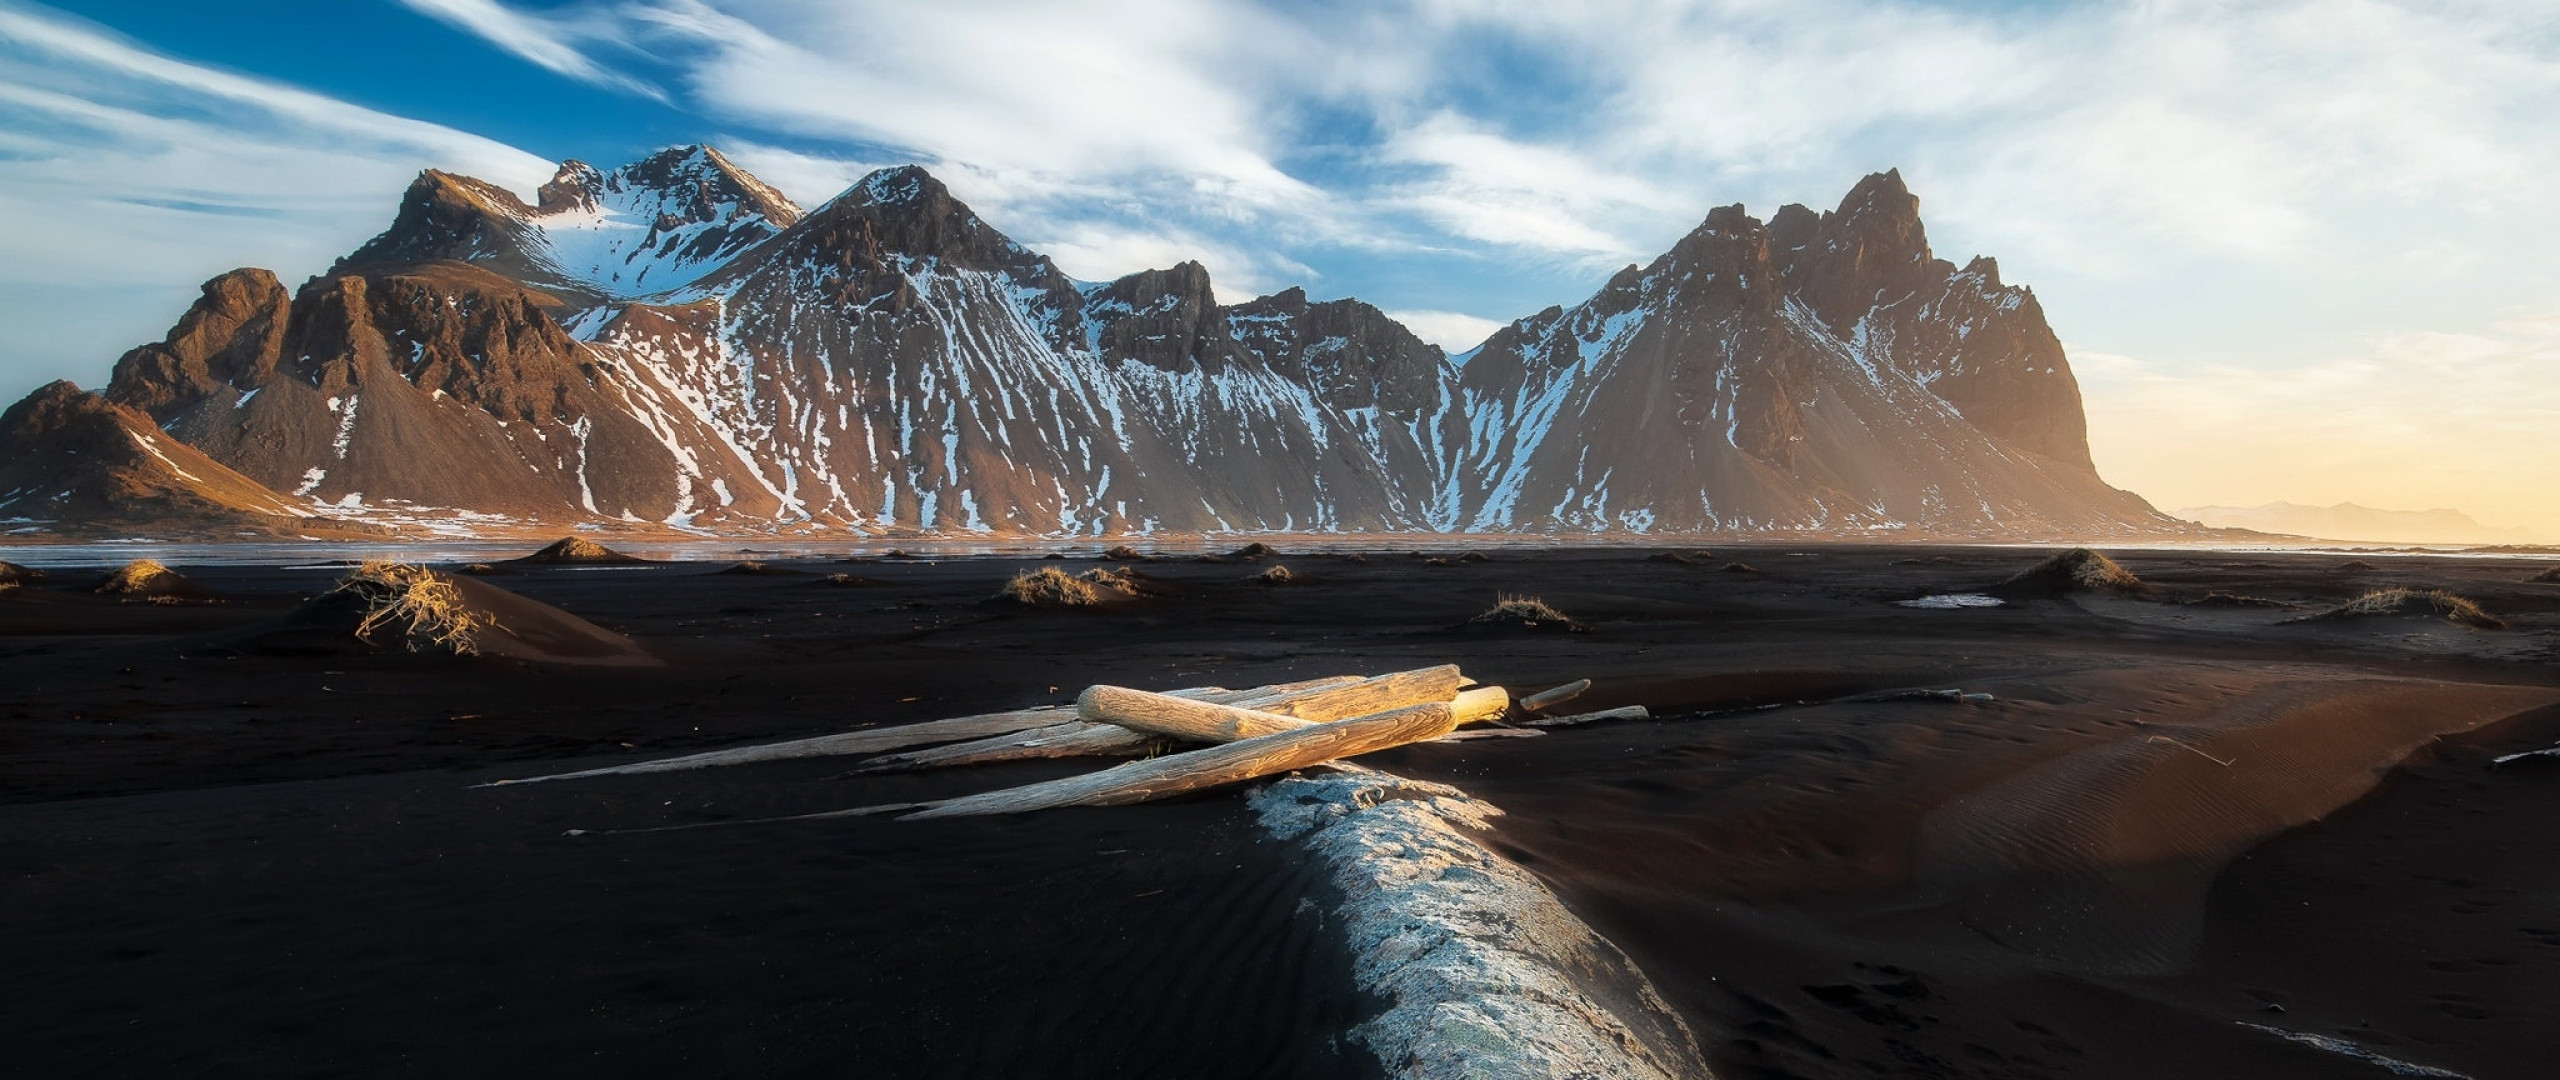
(1277, 575)
(425, 608)
(2081, 568)
(1513, 610)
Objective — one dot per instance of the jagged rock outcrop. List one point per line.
(673, 342)
(72, 462)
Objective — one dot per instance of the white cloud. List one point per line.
(127, 173)
(1453, 331)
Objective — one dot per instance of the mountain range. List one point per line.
(2348, 521)
(673, 344)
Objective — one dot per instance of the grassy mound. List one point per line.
(578, 550)
(1123, 553)
(2355, 566)
(2436, 603)
(1739, 568)
(1684, 558)
(2081, 570)
(13, 574)
(1277, 575)
(144, 579)
(1254, 550)
(417, 607)
(2547, 577)
(1525, 612)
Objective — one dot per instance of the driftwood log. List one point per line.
(1087, 738)
(1550, 698)
(1201, 721)
(1245, 759)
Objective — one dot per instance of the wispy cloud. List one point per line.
(549, 43)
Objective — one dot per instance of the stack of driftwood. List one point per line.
(1185, 740)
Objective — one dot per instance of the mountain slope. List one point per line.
(672, 342)
(71, 461)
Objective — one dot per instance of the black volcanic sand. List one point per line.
(2173, 820)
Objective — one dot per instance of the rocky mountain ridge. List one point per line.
(674, 344)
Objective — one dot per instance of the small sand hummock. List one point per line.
(579, 550)
(1254, 550)
(2355, 566)
(2436, 602)
(2082, 570)
(428, 613)
(2547, 577)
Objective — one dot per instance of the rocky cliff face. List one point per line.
(1813, 372)
(673, 342)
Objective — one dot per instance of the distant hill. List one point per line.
(2348, 521)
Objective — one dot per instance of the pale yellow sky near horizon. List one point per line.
(2465, 421)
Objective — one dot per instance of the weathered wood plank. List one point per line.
(1554, 696)
(902, 736)
(1631, 712)
(1245, 759)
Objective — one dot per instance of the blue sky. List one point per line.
(2298, 250)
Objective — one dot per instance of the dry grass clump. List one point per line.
(846, 580)
(2451, 607)
(1277, 575)
(578, 547)
(428, 612)
(7, 587)
(2547, 577)
(1122, 553)
(1050, 587)
(14, 574)
(2082, 569)
(2230, 599)
(1524, 611)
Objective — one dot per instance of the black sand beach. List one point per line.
(2174, 835)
